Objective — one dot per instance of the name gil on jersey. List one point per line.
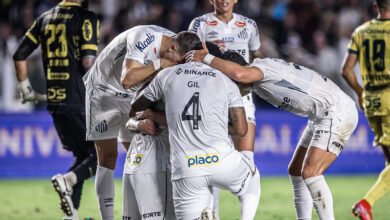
(135, 159)
(142, 45)
(202, 160)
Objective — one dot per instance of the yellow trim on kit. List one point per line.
(69, 3)
(89, 47)
(31, 37)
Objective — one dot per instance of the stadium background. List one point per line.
(308, 32)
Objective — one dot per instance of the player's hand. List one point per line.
(146, 114)
(220, 44)
(28, 94)
(165, 63)
(148, 127)
(197, 55)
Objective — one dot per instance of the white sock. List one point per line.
(322, 197)
(302, 199)
(105, 191)
(71, 178)
(250, 200)
(215, 202)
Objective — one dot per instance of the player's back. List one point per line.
(66, 33)
(197, 99)
(371, 42)
(297, 89)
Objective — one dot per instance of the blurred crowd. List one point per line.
(314, 33)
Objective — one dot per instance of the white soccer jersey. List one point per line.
(197, 99)
(141, 43)
(296, 89)
(240, 34)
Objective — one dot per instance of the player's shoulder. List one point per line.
(366, 25)
(198, 21)
(248, 21)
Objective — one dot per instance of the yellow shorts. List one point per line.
(377, 109)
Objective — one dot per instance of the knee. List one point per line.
(310, 171)
(107, 159)
(294, 170)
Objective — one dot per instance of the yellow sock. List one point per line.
(380, 188)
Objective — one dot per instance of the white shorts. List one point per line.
(191, 195)
(331, 133)
(106, 116)
(250, 109)
(147, 196)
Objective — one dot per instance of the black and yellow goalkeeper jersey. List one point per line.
(66, 33)
(371, 42)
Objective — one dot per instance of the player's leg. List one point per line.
(331, 134)
(245, 145)
(315, 163)
(107, 153)
(302, 199)
(130, 207)
(190, 197)
(381, 128)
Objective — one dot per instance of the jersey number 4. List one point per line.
(195, 117)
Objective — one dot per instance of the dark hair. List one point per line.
(211, 47)
(186, 41)
(383, 4)
(234, 57)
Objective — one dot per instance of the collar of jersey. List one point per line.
(63, 3)
(233, 19)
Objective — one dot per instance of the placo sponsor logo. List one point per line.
(202, 160)
(142, 45)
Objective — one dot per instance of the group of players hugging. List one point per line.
(181, 105)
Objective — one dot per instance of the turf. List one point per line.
(35, 199)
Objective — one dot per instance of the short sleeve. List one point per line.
(89, 38)
(154, 91)
(254, 41)
(235, 99)
(132, 51)
(195, 27)
(353, 46)
(33, 33)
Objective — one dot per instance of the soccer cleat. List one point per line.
(362, 210)
(208, 214)
(60, 186)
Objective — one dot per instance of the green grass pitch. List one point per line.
(35, 199)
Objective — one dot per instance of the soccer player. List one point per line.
(370, 46)
(67, 35)
(119, 71)
(297, 89)
(199, 101)
(234, 32)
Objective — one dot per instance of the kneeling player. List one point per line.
(332, 119)
(199, 101)
(147, 187)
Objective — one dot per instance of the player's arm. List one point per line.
(89, 39)
(347, 67)
(145, 126)
(242, 74)
(237, 121)
(154, 115)
(27, 46)
(134, 72)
